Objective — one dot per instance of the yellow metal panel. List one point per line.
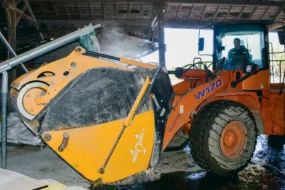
(55, 77)
(88, 148)
(259, 81)
(75, 64)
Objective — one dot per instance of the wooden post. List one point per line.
(14, 15)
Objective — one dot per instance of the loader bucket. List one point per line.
(107, 122)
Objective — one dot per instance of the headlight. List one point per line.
(248, 68)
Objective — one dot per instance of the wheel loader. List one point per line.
(111, 122)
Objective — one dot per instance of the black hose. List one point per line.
(95, 54)
(281, 89)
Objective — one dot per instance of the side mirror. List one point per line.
(201, 44)
(281, 36)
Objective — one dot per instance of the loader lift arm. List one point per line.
(234, 83)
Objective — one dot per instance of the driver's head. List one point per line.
(237, 43)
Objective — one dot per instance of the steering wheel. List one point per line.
(196, 66)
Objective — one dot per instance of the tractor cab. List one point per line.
(244, 48)
(241, 49)
(241, 44)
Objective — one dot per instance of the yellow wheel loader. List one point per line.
(111, 122)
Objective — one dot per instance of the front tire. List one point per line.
(223, 137)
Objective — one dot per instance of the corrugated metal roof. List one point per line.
(49, 11)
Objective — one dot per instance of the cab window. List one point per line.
(251, 46)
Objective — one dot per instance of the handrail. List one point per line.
(272, 73)
(50, 46)
(10, 49)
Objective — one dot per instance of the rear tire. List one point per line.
(223, 137)
(276, 141)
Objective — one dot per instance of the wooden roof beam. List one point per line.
(7, 12)
(240, 13)
(193, 23)
(203, 13)
(19, 16)
(216, 13)
(137, 22)
(279, 12)
(230, 9)
(17, 2)
(232, 3)
(264, 13)
(27, 3)
(30, 9)
(277, 15)
(191, 11)
(23, 15)
(178, 11)
(253, 12)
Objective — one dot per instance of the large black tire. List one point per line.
(207, 134)
(276, 141)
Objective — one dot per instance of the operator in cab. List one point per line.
(237, 56)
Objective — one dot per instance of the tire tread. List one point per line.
(203, 128)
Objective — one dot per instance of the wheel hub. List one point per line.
(233, 139)
(230, 138)
(26, 103)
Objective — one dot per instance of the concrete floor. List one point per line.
(43, 163)
(266, 170)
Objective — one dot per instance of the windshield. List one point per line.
(241, 45)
